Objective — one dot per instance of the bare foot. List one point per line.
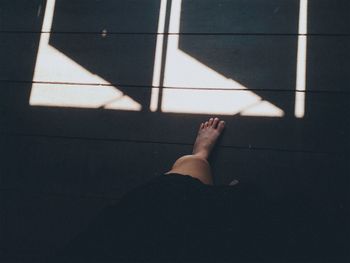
(208, 134)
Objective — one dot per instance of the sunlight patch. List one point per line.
(181, 84)
(190, 80)
(299, 109)
(52, 65)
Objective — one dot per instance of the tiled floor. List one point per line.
(100, 96)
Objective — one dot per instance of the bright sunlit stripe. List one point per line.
(175, 17)
(172, 51)
(49, 12)
(303, 17)
(299, 109)
(158, 56)
(45, 37)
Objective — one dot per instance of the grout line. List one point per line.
(167, 33)
(85, 138)
(164, 87)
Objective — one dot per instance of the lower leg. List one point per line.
(196, 165)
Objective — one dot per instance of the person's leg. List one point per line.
(196, 165)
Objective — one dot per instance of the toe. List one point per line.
(215, 123)
(206, 124)
(221, 126)
(211, 120)
(201, 126)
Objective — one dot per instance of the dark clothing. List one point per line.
(178, 218)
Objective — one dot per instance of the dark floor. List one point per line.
(65, 156)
